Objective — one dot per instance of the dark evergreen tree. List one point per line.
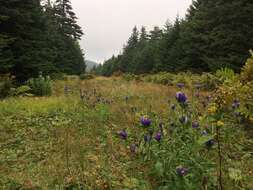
(126, 63)
(5, 41)
(217, 34)
(155, 49)
(33, 40)
(67, 20)
(66, 33)
(214, 34)
(170, 47)
(26, 26)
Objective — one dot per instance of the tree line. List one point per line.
(39, 36)
(213, 35)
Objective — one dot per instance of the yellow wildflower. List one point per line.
(220, 124)
(212, 109)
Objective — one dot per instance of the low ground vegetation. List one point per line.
(159, 131)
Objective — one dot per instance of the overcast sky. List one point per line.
(107, 24)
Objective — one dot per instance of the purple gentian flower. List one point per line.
(182, 171)
(147, 138)
(181, 97)
(210, 143)
(195, 125)
(123, 134)
(180, 85)
(158, 136)
(146, 122)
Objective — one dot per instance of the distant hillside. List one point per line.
(90, 65)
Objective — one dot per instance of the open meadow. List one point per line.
(106, 95)
(112, 133)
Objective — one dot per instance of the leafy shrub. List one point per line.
(57, 76)
(86, 76)
(247, 70)
(160, 78)
(117, 74)
(231, 91)
(209, 81)
(184, 78)
(22, 90)
(130, 77)
(41, 86)
(224, 74)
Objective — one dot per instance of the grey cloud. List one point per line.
(107, 24)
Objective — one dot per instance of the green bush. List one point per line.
(22, 90)
(209, 81)
(184, 78)
(41, 86)
(225, 74)
(86, 76)
(247, 70)
(57, 76)
(130, 77)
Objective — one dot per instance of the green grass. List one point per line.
(62, 142)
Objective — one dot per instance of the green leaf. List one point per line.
(204, 139)
(235, 174)
(159, 170)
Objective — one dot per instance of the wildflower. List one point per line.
(180, 85)
(183, 119)
(236, 104)
(210, 143)
(146, 122)
(220, 123)
(158, 136)
(212, 109)
(181, 97)
(147, 138)
(182, 171)
(133, 148)
(195, 125)
(123, 134)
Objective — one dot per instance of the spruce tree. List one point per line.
(67, 19)
(70, 58)
(6, 56)
(26, 26)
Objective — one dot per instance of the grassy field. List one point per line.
(72, 141)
